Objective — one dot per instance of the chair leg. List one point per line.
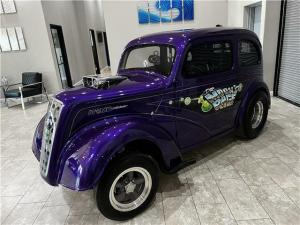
(45, 91)
(22, 100)
(7, 103)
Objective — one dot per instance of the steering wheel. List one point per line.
(154, 59)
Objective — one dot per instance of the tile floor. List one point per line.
(233, 182)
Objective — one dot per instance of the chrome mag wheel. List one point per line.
(130, 189)
(257, 116)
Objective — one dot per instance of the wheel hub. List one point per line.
(257, 116)
(129, 188)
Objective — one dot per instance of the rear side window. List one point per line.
(208, 58)
(249, 54)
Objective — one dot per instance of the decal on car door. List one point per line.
(215, 98)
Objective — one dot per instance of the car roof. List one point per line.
(178, 37)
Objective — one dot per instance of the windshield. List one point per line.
(156, 58)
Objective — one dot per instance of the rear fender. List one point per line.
(251, 91)
(89, 152)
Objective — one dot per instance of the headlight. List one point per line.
(51, 121)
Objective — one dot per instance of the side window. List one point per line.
(208, 58)
(249, 54)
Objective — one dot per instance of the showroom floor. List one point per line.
(233, 181)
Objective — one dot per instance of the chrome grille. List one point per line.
(51, 121)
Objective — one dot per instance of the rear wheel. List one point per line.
(129, 187)
(256, 115)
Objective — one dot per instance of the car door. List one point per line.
(208, 91)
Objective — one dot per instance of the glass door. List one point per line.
(61, 56)
(94, 50)
(106, 48)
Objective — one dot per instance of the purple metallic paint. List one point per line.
(89, 134)
(88, 159)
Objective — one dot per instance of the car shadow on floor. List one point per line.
(216, 151)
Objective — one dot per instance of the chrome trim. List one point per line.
(257, 116)
(51, 121)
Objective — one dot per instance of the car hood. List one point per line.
(132, 84)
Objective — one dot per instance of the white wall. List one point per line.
(94, 19)
(270, 15)
(236, 13)
(122, 25)
(76, 18)
(272, 18)
(63, 13)
(35, 17)
(37, 57)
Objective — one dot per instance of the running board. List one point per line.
(181, 165)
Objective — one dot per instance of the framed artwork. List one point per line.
(12, 39)
(7, 7)
(188, 12)
(21, 39)
(4, 41)
(154, 11)
(165, 11)
(1, 8)
(177, 12)
(143, 12)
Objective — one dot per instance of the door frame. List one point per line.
(63, 52)
(279, 46)
(94, 51)
(106, 48)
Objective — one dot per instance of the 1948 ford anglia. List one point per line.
(173, 91)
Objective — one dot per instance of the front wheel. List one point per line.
(256, 115)
(128, 187)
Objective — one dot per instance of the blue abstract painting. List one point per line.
(188, 6)
(177, 10)
(154, 11)
(143, 12)
(165, 11)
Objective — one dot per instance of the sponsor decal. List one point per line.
(219, 98)
(107, 109)
(212, 98)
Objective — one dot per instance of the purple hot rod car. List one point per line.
(173, 91)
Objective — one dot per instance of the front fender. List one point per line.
(88, 153)
(37, 139)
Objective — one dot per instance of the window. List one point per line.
(208, 58)
(157, 58)
(249, 54)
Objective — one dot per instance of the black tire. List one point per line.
(137, 160)
(249, 131)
